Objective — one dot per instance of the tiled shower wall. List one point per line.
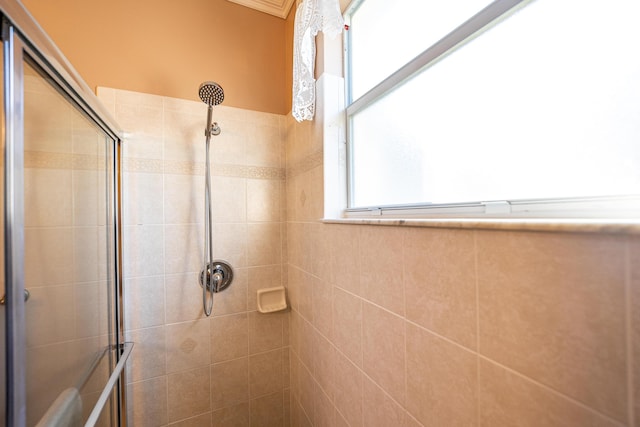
(407, 326)
(389, 326)
(187, 369)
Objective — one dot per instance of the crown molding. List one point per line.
(279, 8)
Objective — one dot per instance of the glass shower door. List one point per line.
(69, 254)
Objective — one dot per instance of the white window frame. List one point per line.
(614, 207)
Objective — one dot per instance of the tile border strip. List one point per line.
(51, 160)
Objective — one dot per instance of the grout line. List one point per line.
(550, 389)
(442, 337)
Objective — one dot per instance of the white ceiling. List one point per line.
(279, 8)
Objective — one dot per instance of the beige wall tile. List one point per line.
(381, 274)
(265, 373)
(441, 380)
(264, 244)
(188, 345)
(286, 367)
(304, 291)
(183, 248)
(230, 384)
(409, 421)
(231, 144)
(297, 244)
(149, 358)
(294, 330)
(290, 193)
(348, 390)
(322, 306)
(147, 402)
(145, 302)
(142, 198)
(298, 135)
(440, 282)
(294, 375)
(265, 331)
(384, 350)
(143, 250)
(307, 334)
(287, 407)
(183, 297)
(232, 416)
(560, 298)
(230, 243)
(320, 238)
(263, 145)
(299, 417)
(267, 411)
(347, 325)
(294, 277)
(307, 393)
(188, 394)
(264, 200)
(229, 199)
(324, 361)
(183, 199)
(140, 146)
(324, 414)
(340, 421)
(309, 195)
(345, 258)
(509, 399)
(379, 409)
(229, 337)
(183, 133)
(140, 119)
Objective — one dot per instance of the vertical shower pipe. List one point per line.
(211, 94)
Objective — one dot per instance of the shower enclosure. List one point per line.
(61, 342)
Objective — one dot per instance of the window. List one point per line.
(505, 107)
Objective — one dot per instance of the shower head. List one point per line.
(211, 93)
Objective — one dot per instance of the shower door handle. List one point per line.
(27, 294)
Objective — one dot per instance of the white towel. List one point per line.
(65, 411)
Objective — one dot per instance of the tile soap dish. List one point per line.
(271, 299)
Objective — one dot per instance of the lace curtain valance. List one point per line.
(312, 16)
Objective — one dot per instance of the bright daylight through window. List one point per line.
(509, 106)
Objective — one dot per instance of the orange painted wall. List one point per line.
(169, 47)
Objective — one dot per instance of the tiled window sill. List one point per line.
(611, 226)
